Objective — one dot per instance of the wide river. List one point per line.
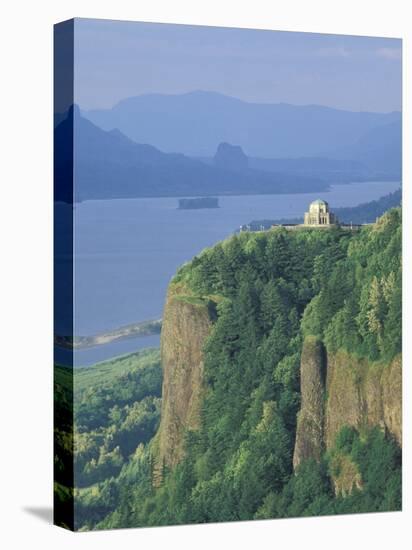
(126, 251)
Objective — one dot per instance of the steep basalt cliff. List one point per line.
(187, 321)
(309, 432)
(339, 389)
(248, 301)
(362, 394)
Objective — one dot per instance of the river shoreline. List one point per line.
(133, 330)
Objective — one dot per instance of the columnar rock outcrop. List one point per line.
(309, 441)
(362, 394)
(187, 322)
(339, 389)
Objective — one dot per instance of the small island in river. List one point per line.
(198, 202)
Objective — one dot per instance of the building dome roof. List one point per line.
(319, 206)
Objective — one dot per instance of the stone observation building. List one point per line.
(319, 214)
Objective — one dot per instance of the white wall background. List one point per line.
(26, 272)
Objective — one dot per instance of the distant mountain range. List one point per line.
(319, 168)
(110, 165)
(251, 148)
(195, 123)
(379, 149)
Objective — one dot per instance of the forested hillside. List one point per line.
(265, 293)
(116, 408)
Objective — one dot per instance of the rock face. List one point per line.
(309, 441)
(187, 322)
(363, 394)
(336, 390)
(342, 390)
(230, 157)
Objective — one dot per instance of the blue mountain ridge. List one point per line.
(196, 122)
(107, 164)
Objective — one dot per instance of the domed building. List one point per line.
(319, 214)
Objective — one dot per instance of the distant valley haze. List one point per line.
(205, 143)
(108, 165)
(195, 123)
(182, 110)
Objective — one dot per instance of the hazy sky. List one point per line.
(115, 60)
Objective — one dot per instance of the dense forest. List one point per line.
(269, 291)
(116, 407)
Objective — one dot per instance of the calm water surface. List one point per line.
(126, 251)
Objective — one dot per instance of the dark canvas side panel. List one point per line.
(63, 274)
